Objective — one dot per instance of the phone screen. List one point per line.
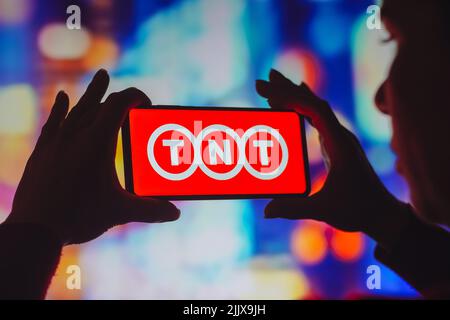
(213, 152)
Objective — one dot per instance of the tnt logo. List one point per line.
(220, 152)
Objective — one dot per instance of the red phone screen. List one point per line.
(214, 153)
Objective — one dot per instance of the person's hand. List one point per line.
(70, 185)
(353, 197)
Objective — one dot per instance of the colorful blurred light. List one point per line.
(199, 55)
(17, 127)
(159, 89)
(14, 12)
(58, 289)
(191, 258)
(278, 284)
(328, 30)
(347, 246)
(308, 242)
(346, 122)
(15, 151)
(300, 66)
(267, 277)
(56, 41)
(119, 161)
(371, 62)
(103, 52)
(315, 155)
(17, 109)
(227, 236)
(382, 159)
(313, 145)
(318, 182)
(3, 214)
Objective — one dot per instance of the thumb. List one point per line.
(149, 210)
(294, 209)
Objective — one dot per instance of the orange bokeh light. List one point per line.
(318, 183)
(300, 65)
(347, 246)
(58, 288)
(308, 242)
(103, 53)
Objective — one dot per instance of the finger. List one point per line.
(89, 103)
(149, 210)
(114, 110)
(56, 117)
(278, 84)
(287, 93)
(276, 77)
(295, 208)
(330, 130)
(282, 89)
(264, 89)
(283, 94)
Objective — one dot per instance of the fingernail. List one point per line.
(60, 95)
(100, 74)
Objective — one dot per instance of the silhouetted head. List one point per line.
(416, 95)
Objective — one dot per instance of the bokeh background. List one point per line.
(203, 52)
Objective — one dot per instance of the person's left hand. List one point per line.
(70, 185)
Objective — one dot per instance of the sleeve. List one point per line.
(29, 255)
(421, 256)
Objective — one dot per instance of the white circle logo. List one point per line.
(241, 160)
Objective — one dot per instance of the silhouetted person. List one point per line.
(416, 96)
(70, 194)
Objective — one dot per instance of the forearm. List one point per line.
(29, 255)
(389, 222)
(418, 252)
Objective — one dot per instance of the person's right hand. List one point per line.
(353, 197)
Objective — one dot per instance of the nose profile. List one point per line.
(380, 99)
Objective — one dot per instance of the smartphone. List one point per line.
(178, 152)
